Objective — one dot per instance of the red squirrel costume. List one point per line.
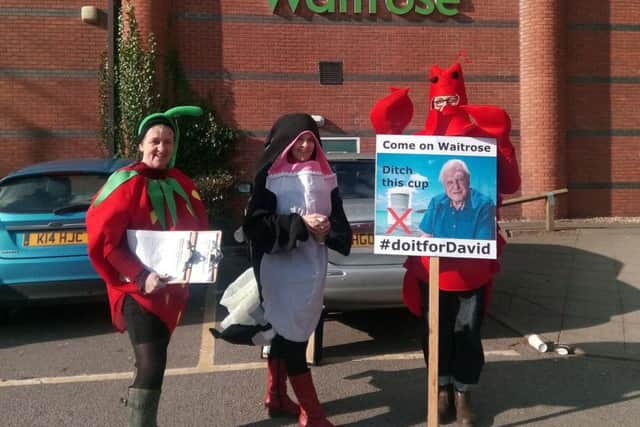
(391, 115)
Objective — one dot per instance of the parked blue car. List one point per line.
(43, 239)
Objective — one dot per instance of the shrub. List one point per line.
(205, 142)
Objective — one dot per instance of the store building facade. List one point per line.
(567, 72)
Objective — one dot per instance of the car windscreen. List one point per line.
(49, 193)
(355, 178)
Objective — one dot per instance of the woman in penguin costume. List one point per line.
(294, 215)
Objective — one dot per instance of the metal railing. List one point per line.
(550, 204)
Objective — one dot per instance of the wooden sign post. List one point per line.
(433, 328)
(421, 160)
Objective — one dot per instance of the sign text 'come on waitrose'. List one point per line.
(397, 7)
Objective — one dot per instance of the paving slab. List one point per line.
(579, 285)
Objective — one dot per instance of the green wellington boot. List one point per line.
(143, 407)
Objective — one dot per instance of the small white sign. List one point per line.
(181, 256)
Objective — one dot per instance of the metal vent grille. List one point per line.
(331, 72)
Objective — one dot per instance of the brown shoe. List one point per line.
(445, 404)
(464, 411)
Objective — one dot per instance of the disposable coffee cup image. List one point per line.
(399, 200)
(536, 342)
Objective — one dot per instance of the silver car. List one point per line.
(361, 280)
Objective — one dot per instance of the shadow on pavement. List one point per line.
(517, 392)
(43, 323)
(569, 295)
(371, 332)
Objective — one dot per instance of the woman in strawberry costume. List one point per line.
(465, 284)
(147, 195)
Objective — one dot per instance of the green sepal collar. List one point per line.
(161, 194)
(115, 180)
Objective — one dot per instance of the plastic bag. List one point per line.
(243, 288)
(245, 323)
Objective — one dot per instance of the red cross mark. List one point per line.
(399, 221)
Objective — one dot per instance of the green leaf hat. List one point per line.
(168, 118)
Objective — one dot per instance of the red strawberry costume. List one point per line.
(129, 207)
(147, 195)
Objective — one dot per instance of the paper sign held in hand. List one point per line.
(182, 256)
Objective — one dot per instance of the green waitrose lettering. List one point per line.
(421, 7)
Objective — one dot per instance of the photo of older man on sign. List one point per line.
(461, 212)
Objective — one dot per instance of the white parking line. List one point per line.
(117, 376)
(209, 369)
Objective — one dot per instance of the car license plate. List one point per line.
(362, 240)
(55, 238)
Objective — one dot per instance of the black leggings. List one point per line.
(150, 338)
(294, 354)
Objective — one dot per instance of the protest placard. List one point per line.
(436, 196)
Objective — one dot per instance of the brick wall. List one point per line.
(543, 101)
(257, 65)
(263, 65)
(603, 122)
(48, 82)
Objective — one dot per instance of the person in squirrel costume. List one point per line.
(295, 213)
(465, 284)
(150, 194)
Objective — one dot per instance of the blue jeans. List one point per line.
(460, 355)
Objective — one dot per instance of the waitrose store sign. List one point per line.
(397, 7)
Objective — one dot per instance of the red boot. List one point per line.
(276, 400)
(311, 413)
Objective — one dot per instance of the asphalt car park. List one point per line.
(73, 368)
(64, 365)
(43, 256)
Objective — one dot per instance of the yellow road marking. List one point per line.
(207, 343)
